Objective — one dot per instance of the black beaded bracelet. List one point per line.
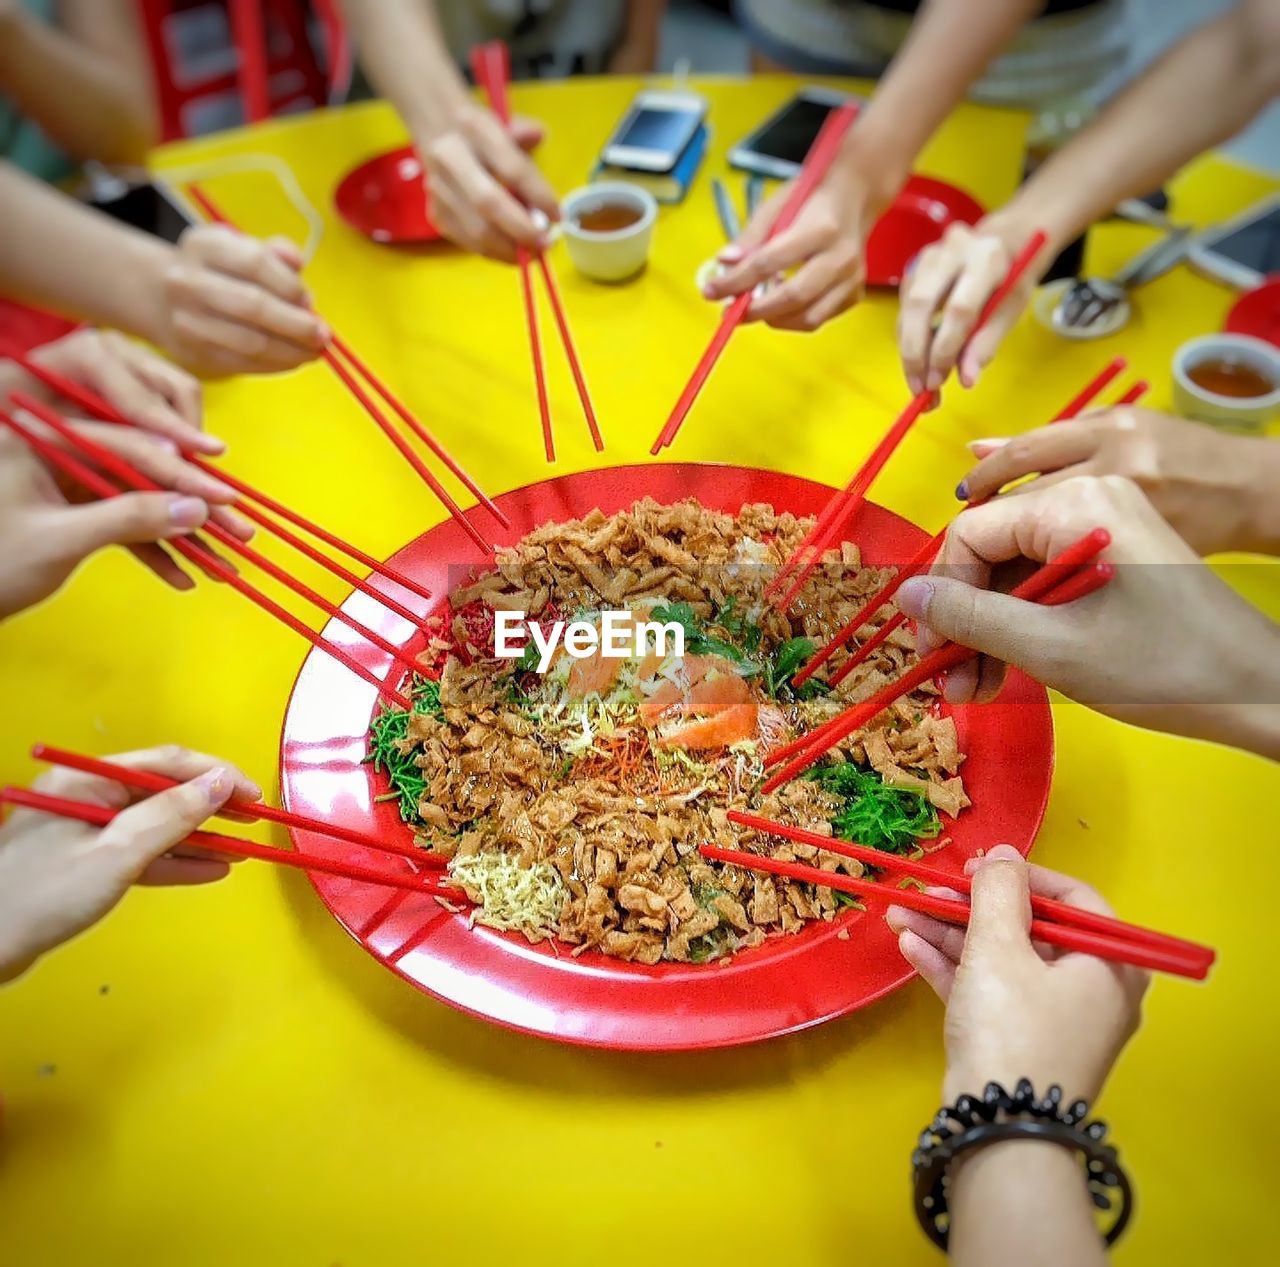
(971, 1123)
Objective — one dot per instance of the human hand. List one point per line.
(1166, 645)
(482, 184)
(822, 250)
(1207, 485)
(944, 292)
(229, 304)
(151, 392)
(45, 535)
(1016, 1009)
(58, 878)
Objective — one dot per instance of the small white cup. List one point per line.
(1240, 413)
(620, 253)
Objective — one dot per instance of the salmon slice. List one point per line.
(593, 673)
(651, 663)
(715, 694)
(666, 697)
(731, 726)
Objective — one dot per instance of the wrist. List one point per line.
(439, 109)
(140, 288)
(872, 165)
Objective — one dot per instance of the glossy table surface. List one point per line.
(220, 1076)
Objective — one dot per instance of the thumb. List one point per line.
(983, 620)
(1000, 906)
(130, 519)
(980, 351)
(756, 230)
(146, 830)
(526, 133)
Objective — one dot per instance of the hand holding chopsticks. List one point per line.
(1069, 575)
(60, 878)
(491, 65)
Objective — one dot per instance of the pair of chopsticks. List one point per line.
(94, 406)
(233, 846)
(817, 164)
(1070, 575)
(1053, 923)
(491, 66)
(924, 558)
(192, 547)
(808, 554)
(354, 374)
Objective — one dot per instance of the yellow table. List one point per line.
(220, 1076)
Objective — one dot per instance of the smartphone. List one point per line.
(778, 147)
(151, 208)
(1243, 251)
(655, 131)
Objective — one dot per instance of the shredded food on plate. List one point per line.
(571, 804)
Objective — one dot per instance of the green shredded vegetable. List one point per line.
(874, 814)
(389, 728)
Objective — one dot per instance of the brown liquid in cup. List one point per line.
(609, 217)
(1227, 377)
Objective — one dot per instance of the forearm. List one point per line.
(82, 100)
(58, 254)
(950, 45)
(643, 30)
(403, 52)
(1261, 528)
(1200, 93)
(1022, 1204)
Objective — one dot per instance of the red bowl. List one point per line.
(1257, 312)
(386, 199)
(787, 984)
(918, 217)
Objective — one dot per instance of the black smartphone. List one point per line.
(151, 208)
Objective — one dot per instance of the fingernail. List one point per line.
(209, 444)
(934, 381)
(893, 917)
(989, 444)
(215, 785)
(188, 512)
(730, 255)
(323, 333)
(962, 491)
(914, 596)
(708, 291)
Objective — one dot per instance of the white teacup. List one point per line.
(1242, 413)
(616, 254)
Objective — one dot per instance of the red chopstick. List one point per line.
(331, 358)
(233, 846)
(817, 742)
(1115, 949)
(491, 67)
(97, 407)
(925, 556)
(128, 474)
(97, 484)
(1044, 907)
(847, 501)
(1036, 588)
(817, 164)
(1135, 393)
(146, 781)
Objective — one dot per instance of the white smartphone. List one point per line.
(778, 147)
(1243, 251)
(655, 131)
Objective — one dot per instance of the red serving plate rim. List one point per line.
(548, 985)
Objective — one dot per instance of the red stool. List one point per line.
(263, 60)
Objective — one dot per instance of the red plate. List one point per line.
(386, 199)
(919, 216)
(785, 985)
(1257, 312)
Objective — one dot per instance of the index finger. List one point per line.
(479, 188)
(239, 256)
(515, 169)
(170, 760)
(785, 251)
(1038, 452)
